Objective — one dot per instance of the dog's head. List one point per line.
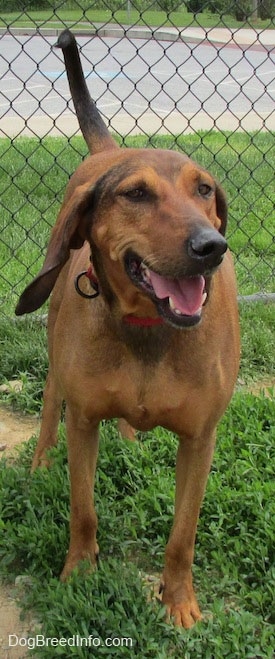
(155, 222)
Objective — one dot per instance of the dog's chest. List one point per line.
(144, 396)
(113, 383)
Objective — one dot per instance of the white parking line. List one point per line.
(19, 89)
(31, 100)
(266, 73)
(237, 80)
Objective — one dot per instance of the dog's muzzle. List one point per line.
(179, 300)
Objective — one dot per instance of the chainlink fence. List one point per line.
(198, 77)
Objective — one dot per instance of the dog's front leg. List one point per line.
(193, 464)
(82, 437)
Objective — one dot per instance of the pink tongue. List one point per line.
(186, 293)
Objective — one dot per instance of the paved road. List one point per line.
(139, 85)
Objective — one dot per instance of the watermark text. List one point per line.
(74, 641)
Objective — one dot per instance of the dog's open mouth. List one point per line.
(178, 301)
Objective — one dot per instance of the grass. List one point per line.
(76, 18)
(234, 573)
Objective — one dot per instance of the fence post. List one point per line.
(129, 11)
(254, 14)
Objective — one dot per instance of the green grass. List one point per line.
(234, 570)
(76, 18)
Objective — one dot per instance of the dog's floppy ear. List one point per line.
(67, 234)
(221, 207)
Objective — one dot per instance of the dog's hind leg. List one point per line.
(49, 424)
(126, 431)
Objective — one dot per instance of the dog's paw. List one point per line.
(41, 460)
(184, 613)
(84, 561)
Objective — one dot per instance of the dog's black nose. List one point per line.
(207, 247)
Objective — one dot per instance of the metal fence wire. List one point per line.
(159, 78)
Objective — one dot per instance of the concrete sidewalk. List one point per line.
(149, 123)
(239, 36)
(243, 37)
(225, 36)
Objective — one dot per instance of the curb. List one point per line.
(220, 37)
(159, 34)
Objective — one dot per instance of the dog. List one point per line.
(142, 326)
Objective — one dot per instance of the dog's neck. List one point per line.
(129, 319)
(147, 343)
(142, 321)
(147, 338)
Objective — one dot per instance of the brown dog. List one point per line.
(148, 332)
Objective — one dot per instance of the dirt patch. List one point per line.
(14, 429)
(263, 386)
(14, 632)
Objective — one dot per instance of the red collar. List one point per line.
(142, 322)
(91, 276)
(128, 319)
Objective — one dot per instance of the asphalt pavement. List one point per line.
(244, 101)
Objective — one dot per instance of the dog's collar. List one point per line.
(93, 281)
(139, 321)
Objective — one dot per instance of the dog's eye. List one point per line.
(205, 190)
(136, 194)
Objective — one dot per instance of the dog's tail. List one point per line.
(92, 126)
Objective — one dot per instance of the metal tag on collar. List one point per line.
(93, 282)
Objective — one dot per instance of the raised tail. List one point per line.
(95, 133)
